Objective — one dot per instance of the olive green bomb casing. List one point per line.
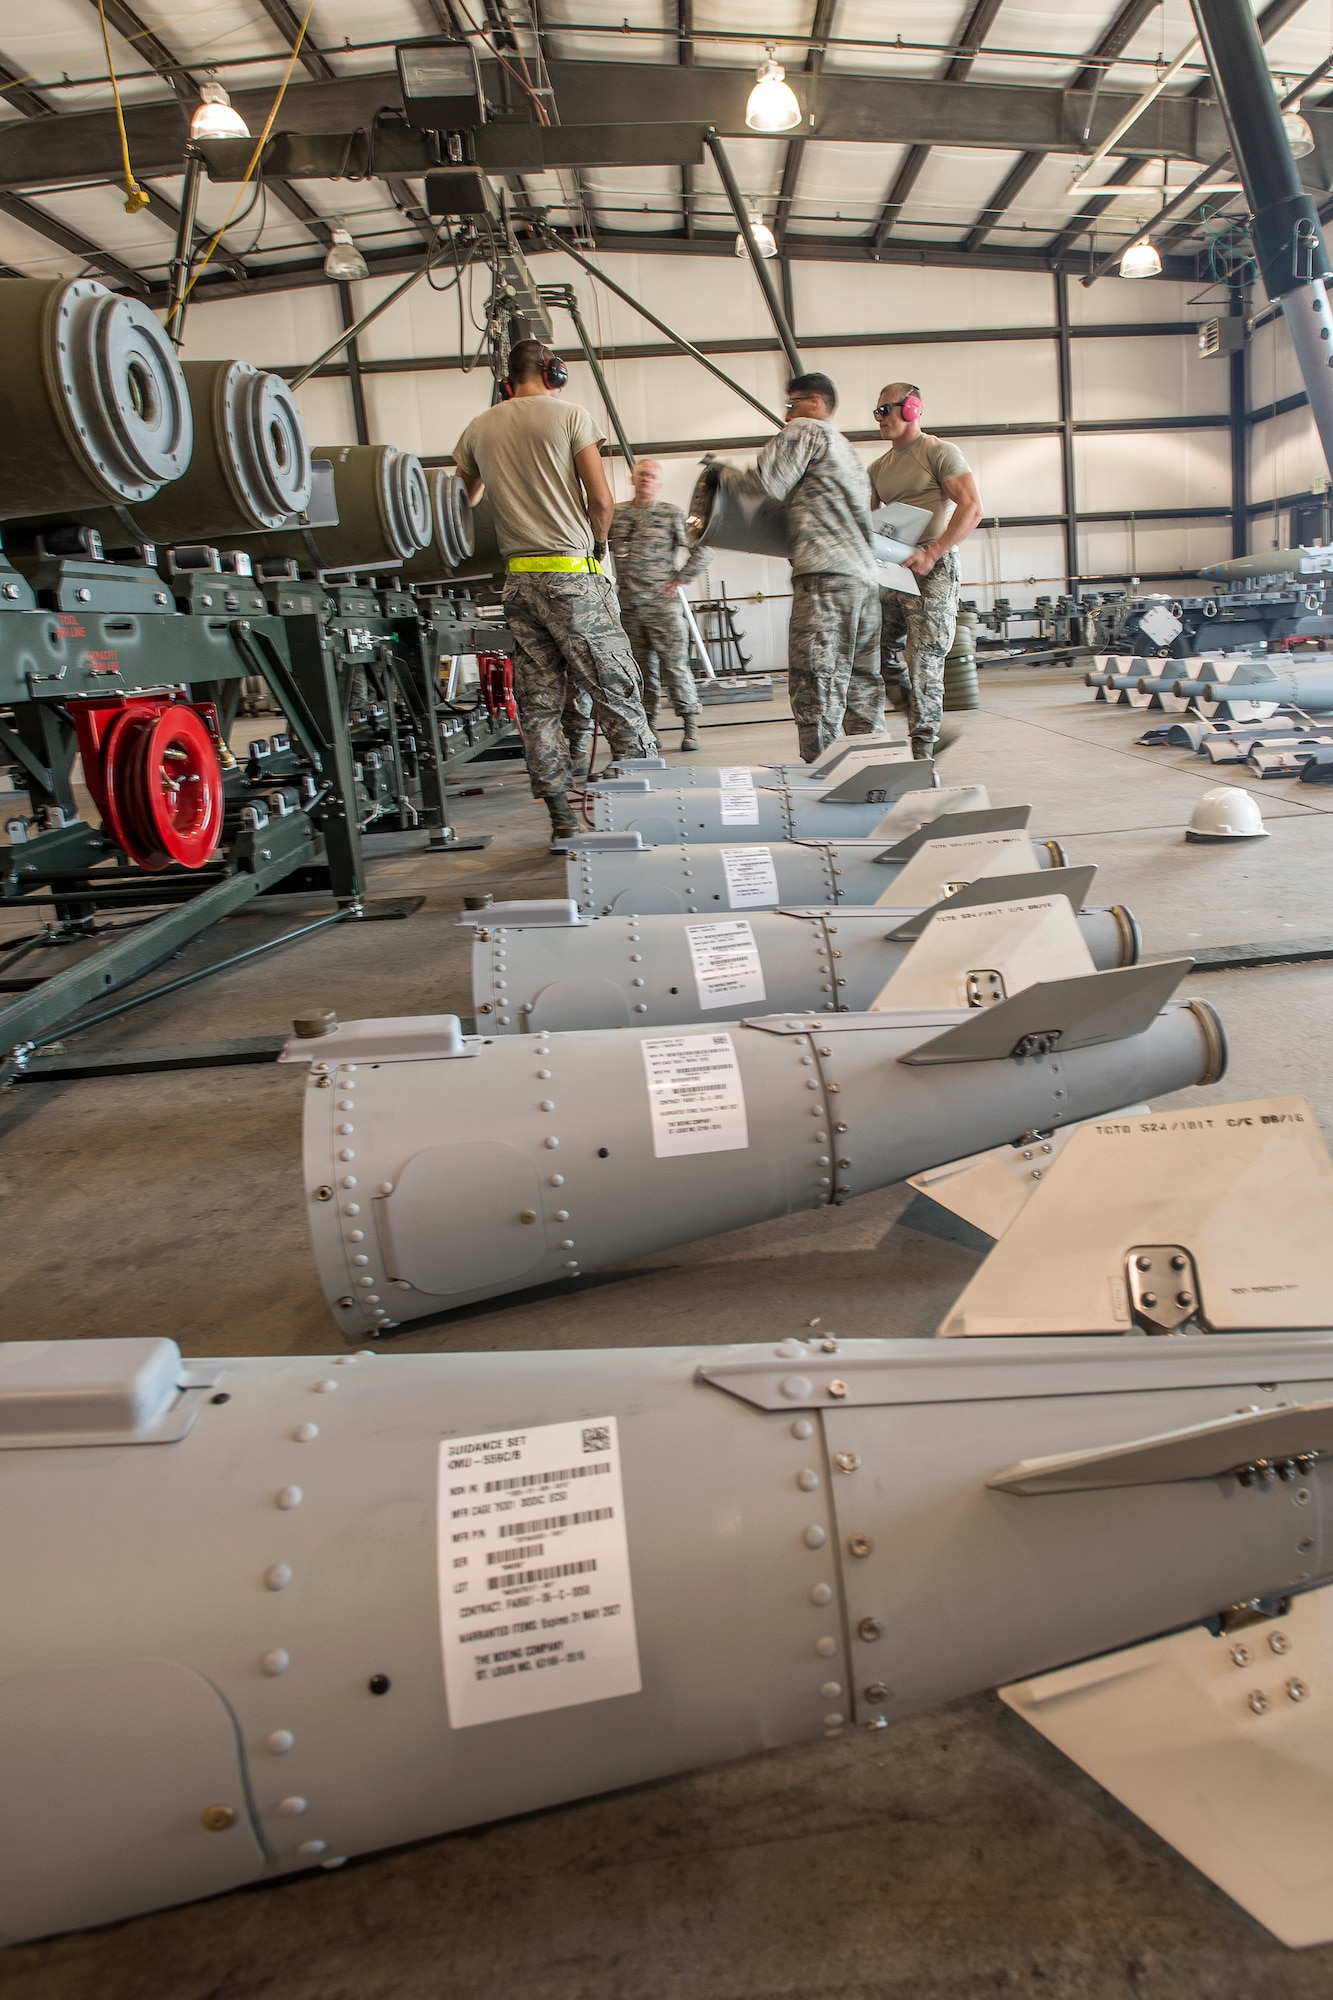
(384, 513)
(94, 408)
(453, 537)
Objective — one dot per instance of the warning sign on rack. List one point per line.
(752, 879)
(536, 1610)
(738, 797)
(727, 971)
(695, 1097)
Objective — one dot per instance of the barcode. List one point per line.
(550, 1522)
(543, 1478)
(524, 1554)
(546, 1575)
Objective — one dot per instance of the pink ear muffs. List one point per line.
(911, 409)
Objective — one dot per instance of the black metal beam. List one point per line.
(409, 207)
(150, 49)
(168, 213)
(1079, 224)
(353, 352)
(824, 22)
(1121, 32)
(18, 94)
(1004, 197)
(1284, 405)
(298, 273)
(78, 245)
(685, 59)
(296, 204)
(970, 37)
(662, 350)
(85, 145)
(1065, 379)
(1240, 457)
(288, 26)
(1274, 16)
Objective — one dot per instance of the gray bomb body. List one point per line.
(1310, 689)
(512, 1162)
(856, 752)
(196, 1629)
(652, 970)
(774, 812)
(724, 875)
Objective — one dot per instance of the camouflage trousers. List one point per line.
(834, 636)
(927, 624)
(659, 636)
(568, 640)
(576, 723)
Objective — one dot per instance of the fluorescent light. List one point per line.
(773, 104)
(214, 117)
(344, 259)
(763, 236)
(1140, 261)
(1171, 190)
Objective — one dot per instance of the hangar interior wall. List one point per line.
(1286, 460)
(1108, 384)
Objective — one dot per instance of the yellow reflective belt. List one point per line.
(555, 564)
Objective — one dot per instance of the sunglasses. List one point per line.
(882, 410)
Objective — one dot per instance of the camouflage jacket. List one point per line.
(644, 541)
(825, 489)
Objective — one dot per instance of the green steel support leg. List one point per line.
(314, 670)
(280, 847)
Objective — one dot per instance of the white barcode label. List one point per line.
(727, 971)
(739, 799)
(695, 1097)
(529, 1624)
(752, 879)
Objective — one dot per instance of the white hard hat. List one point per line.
(1226, 813)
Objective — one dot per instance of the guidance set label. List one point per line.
(536, 1609)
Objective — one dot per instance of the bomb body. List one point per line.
(440, 1169)
(717, 876)
(624, 970)
(237, 1650)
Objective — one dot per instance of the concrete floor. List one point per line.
(960, 1854)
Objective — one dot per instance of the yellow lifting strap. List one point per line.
(564, 565)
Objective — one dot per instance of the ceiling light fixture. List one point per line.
(344, 259)
(1141, 261)
(214, 117)
(765, 241)
(773, 105)
(1299, 136)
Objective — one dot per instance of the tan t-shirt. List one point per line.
(916, 473)
(523, 451)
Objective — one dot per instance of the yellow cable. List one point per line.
(260, 144)
(135, 198)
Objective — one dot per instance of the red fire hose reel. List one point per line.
(497, 685)
(151, 764)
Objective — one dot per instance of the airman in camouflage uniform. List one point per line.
(540, 463)
(927, 624)
(568, 639)
(835, 617)
(930, 472)
(646, 534)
